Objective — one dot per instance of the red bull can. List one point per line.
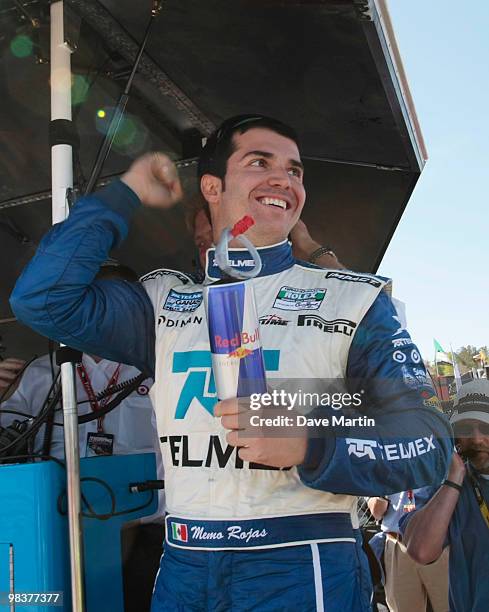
(234, 334)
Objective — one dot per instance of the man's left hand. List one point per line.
(261, 444)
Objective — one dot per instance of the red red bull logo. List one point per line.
(240, 352)
(238, 340)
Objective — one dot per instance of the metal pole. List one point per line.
(119, 109)
(62, 180)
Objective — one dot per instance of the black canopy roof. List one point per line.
(330, 68)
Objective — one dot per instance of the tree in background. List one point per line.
(465, 355)
(465, 360)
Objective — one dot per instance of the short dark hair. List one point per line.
(220, 146)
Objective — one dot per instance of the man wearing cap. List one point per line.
(257, 523)
(458, 514)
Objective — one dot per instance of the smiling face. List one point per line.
(263, 179)
(472, 436)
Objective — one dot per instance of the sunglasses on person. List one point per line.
(466, 430)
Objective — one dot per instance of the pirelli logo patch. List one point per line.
(336, 326)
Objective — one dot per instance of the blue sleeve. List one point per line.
(409, 444)
(58, 297)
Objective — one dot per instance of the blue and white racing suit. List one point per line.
(242, 536)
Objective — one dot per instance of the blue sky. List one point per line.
(439, 255)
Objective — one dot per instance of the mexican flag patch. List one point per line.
(179, 532)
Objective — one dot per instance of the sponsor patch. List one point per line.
(183, 302)
(241, 263)
(182, 322)
(240, 352)
(353, 278)
(414, 377)
(398, 342)
(273, 319)
(430, 400)
(415, 356)
(239, 339)
(361, 448)
(390, 452)
(290, 298)
(199, 383)
(421, 376)
(336, 326)
(399, 356)
(409, 378)
(218, 454)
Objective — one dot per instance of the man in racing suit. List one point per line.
(242, 533)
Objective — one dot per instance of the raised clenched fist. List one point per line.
(154, 179)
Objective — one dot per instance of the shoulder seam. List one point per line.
(313, 267)
(165, 272)
(344, 271)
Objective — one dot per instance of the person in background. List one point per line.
(408, 585)
(126, 429)
(129, 428)
(304, 247)
(458, 513)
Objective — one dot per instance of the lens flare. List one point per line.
(21, 46)
(79, 89)
(132, 136)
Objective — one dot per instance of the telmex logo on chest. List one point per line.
(199, 381)
(218, 454)
(241, 263)
(290, 298)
